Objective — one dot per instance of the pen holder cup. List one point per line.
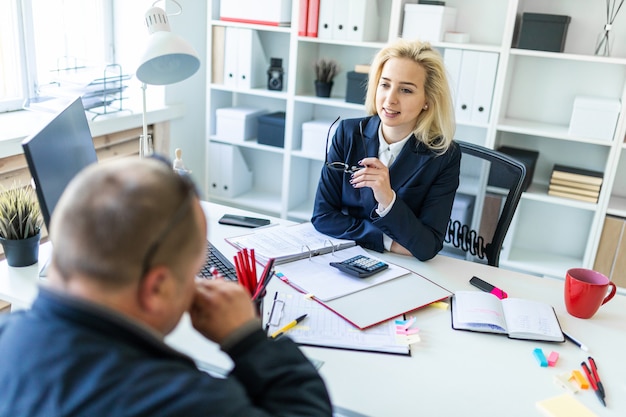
(258, 305)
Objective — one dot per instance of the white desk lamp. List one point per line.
(167, 59)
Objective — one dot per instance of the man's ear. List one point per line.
(155, 290)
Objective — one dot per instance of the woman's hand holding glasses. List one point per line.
(374, 175)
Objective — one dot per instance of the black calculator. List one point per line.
(360, 266)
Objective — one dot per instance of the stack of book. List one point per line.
(577, 183)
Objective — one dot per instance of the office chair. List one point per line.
(485, 202)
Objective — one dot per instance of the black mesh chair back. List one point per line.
(489, 192)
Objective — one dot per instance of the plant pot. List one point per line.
(322, 89)
(21, 252)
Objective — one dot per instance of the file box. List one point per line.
(543, 32)
(594, 117)
(356, 88)
(314, 137)
(237, 124)
(272, 129)
(427, 22)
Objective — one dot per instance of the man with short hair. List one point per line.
(129, 237)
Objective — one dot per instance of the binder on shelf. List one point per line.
(325, 19)
(229, 175)
(483, 91)
(303, 17)
(313, 18)
(611, 256)
(452, 59)
(466, 86)
(476, 81)
(352, 20)
(217, 57)
(340, 22)
(245, 65)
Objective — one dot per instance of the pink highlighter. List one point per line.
(485, 286)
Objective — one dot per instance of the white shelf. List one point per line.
(617, 206)
(540, 262)
(546, 130)
(257, 200)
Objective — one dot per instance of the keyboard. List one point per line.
(216, 260)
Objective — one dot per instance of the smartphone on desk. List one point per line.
(243, 221)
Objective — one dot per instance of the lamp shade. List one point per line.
(168, 58)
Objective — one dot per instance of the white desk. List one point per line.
(450, 373)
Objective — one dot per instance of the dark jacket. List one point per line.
(66, 358)
(425, 185)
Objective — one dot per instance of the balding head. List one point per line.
(117, 219)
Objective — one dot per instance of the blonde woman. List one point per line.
(390, 178)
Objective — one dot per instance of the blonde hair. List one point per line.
(435, 127)
(113, 214)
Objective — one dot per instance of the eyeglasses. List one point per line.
(180, 213)
(342, 166)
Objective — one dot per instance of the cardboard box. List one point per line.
(427, 22)
(267, 12)
(314, 137)
(237, 124)
(356, 88)
(272, 129)
(543, 32)
(594, 117)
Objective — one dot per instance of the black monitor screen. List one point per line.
(57, 153)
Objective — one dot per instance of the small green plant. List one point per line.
(325, 70)
(20, 216)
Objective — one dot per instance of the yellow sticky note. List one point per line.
(439, 304)
(564, 405)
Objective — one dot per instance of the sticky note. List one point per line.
(541, 358)
(580, 379)
(564, 405)
(439, 304)
(566, 381)
(552, 358)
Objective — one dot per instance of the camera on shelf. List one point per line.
(275, 74)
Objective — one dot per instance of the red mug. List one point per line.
(585, 291)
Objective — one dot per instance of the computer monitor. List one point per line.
(57, 153)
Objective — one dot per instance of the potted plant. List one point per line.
(325, 72)
(20, 225)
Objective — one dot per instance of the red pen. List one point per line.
(594, 370)
(593, 383)
(253, 265)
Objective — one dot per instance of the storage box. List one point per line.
(594, 117)
(543, 32)
(267, 12)
(237, 124)
(314, 137)
(427, 23)
(272, 129)
(525, 156)
(356, 87)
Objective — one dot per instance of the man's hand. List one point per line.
(219, 308)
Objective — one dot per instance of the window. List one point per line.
(40, 37)
(12, 84)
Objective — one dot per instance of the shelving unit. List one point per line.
(532, 103)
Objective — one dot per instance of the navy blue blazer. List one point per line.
(66, 358)
(425, 184)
